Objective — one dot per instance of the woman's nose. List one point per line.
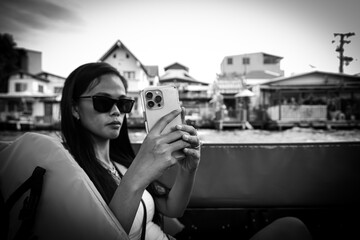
(115, 111)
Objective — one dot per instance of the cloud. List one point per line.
(24, 15)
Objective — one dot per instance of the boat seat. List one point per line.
(240, 188)
(70, 206)
(276, 175)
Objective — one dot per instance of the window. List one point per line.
(20, 87)
(246, 61)
(28, 108)
(40, 88)
(127, 55)
(129, 74)
(270, 60)
(12, 106)
(2, 106)
(48, 109)
(58, 89)
(229, 61)
(25, 107)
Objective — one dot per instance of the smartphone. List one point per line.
(158, 101)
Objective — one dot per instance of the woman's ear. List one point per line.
(75, 111)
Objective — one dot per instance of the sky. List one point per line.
(195, 33)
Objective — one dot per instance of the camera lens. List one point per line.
(158, 99)
(150, 104)
(149, 95)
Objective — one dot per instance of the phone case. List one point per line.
(163, 100)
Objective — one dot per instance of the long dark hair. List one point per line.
(77, 139)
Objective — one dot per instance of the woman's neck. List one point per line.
(102, 151)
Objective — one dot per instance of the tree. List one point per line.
(9, 60)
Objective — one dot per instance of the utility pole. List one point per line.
(340, 49)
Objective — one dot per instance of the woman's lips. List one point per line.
(114, 123)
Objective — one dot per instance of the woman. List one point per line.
(93, 109)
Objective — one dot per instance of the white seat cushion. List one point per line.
(70, 206)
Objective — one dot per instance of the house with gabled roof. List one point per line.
(178, 74)
(33, 96)
(136, 73)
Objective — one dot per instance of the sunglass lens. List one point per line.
(125, 105)
(102, 104)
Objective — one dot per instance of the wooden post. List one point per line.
(279, 99)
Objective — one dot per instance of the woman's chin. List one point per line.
(114, 133)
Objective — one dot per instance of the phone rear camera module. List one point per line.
(149, 95)
(158, 99)
(150, 104)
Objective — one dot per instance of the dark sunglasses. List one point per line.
(104, 104)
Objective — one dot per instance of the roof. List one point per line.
(263, 53)
(153, 71)
(27, 50)
(251, 75)
(119, 44)
(34, 76)
(314, 73)
(176, 65)
(261, 75)
(49, 74)
(277, 81)
(27, 95)
(245, 93)
(179, 75)
(271, 55)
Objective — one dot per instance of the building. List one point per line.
(33, 96)
(318, 99)
(238, 73)
(137, 74)
(178, 75)
(254, 67)
(30, 60)
(194, 94)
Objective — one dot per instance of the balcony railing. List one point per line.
(298, 112)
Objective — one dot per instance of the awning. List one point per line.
(245, 93)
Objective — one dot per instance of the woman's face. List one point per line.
(102, 126)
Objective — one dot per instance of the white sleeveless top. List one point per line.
(153, 231)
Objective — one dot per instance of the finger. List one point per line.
(178, 155)
(164, 121)
(192, 152)
(172, 136)
(178, 145)
(187, 128)
(193, 140)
